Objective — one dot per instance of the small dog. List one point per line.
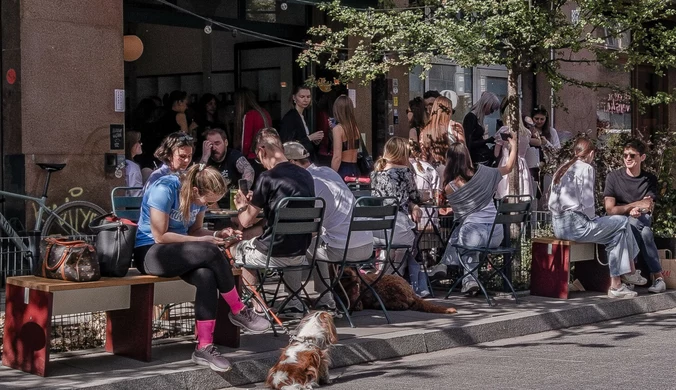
(395, 292)
(305, 362)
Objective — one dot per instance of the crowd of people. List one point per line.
(201, 161)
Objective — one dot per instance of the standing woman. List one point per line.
(207, 118)
(251, 118)
(176, 119)
(345, 138)
(473, 123)
(469, 190)
(132, 169)
(543, 130)
(440, 131)
(571, 202)
(417, 118)
(171, 241)
(392, 176)
(293, 126)
(502, 151)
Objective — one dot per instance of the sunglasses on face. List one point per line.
(629, 155)
(185, 138)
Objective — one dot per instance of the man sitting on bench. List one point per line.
(631, 191)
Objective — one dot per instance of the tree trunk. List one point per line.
(513, 124)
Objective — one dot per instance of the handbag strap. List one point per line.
(364, 152)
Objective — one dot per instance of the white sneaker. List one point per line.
(622, 292)
(470, 287)
(423, 293)
(326, 302)
(634, 278)
(658, 286)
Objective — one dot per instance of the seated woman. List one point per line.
(392, 176)
(571, 202)
(469, 190)
(175, 152)
(171, 241)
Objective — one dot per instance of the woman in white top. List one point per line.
(133, 170)
(502, 150)
(572, 205)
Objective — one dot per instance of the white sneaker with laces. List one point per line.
(622, 292)
(658, 286)
(634, 278)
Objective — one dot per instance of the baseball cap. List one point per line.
(295, 151)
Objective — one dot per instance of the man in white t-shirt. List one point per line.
(337, 215)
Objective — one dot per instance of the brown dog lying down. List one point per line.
(395, 292)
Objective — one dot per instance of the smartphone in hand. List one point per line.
(243, 186)
(505, 136)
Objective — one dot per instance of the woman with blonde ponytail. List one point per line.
(571, 202)
(171, 241)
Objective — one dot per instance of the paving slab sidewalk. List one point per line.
(410, 333)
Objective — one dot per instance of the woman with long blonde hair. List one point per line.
(571, 202)
(171, 241)
(345, 138)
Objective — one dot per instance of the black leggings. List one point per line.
(199, 263)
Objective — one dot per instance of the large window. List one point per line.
(273, 11)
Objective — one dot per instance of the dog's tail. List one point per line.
(429, 307)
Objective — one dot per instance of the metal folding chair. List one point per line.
(368, 214)
(124, 206)
(512, 209)
(291, 216)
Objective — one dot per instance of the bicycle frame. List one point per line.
(42, 209)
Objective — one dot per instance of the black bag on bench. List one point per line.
(115, 238)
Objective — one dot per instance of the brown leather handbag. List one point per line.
(73, 261)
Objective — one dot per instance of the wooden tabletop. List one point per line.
(51, 285)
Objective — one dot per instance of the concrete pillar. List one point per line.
(71, 62)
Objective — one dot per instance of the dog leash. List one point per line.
(260, 300)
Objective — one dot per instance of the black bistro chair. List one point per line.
(291, 216)
(369, 213)
(512, 209)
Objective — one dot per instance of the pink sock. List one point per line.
(232, 299)
(205, 332)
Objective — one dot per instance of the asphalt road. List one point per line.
(631, 353)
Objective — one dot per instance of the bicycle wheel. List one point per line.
(76, 216)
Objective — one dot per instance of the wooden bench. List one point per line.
(550, 267)
(31, 302)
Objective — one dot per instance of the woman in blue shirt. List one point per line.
(172, 242)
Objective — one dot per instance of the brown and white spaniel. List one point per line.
(305, 362)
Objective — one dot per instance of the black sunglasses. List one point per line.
(630, 155)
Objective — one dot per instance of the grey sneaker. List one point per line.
(658, 286)
(622, 292)
(634, 278)
(438, 271)
(249, 321)
(470, 287)
(209, 356)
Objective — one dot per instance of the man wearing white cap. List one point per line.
(337, 214)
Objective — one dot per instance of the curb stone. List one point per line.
(401, 343)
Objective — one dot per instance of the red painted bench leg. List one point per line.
(27, 336)
(549, 272)
(129, 331)
(226, 333)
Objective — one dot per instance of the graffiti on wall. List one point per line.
(78, 218)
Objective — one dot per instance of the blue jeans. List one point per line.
(612, 231)
(471, 234)
(646, 241)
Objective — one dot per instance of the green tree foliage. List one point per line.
(523, 35)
